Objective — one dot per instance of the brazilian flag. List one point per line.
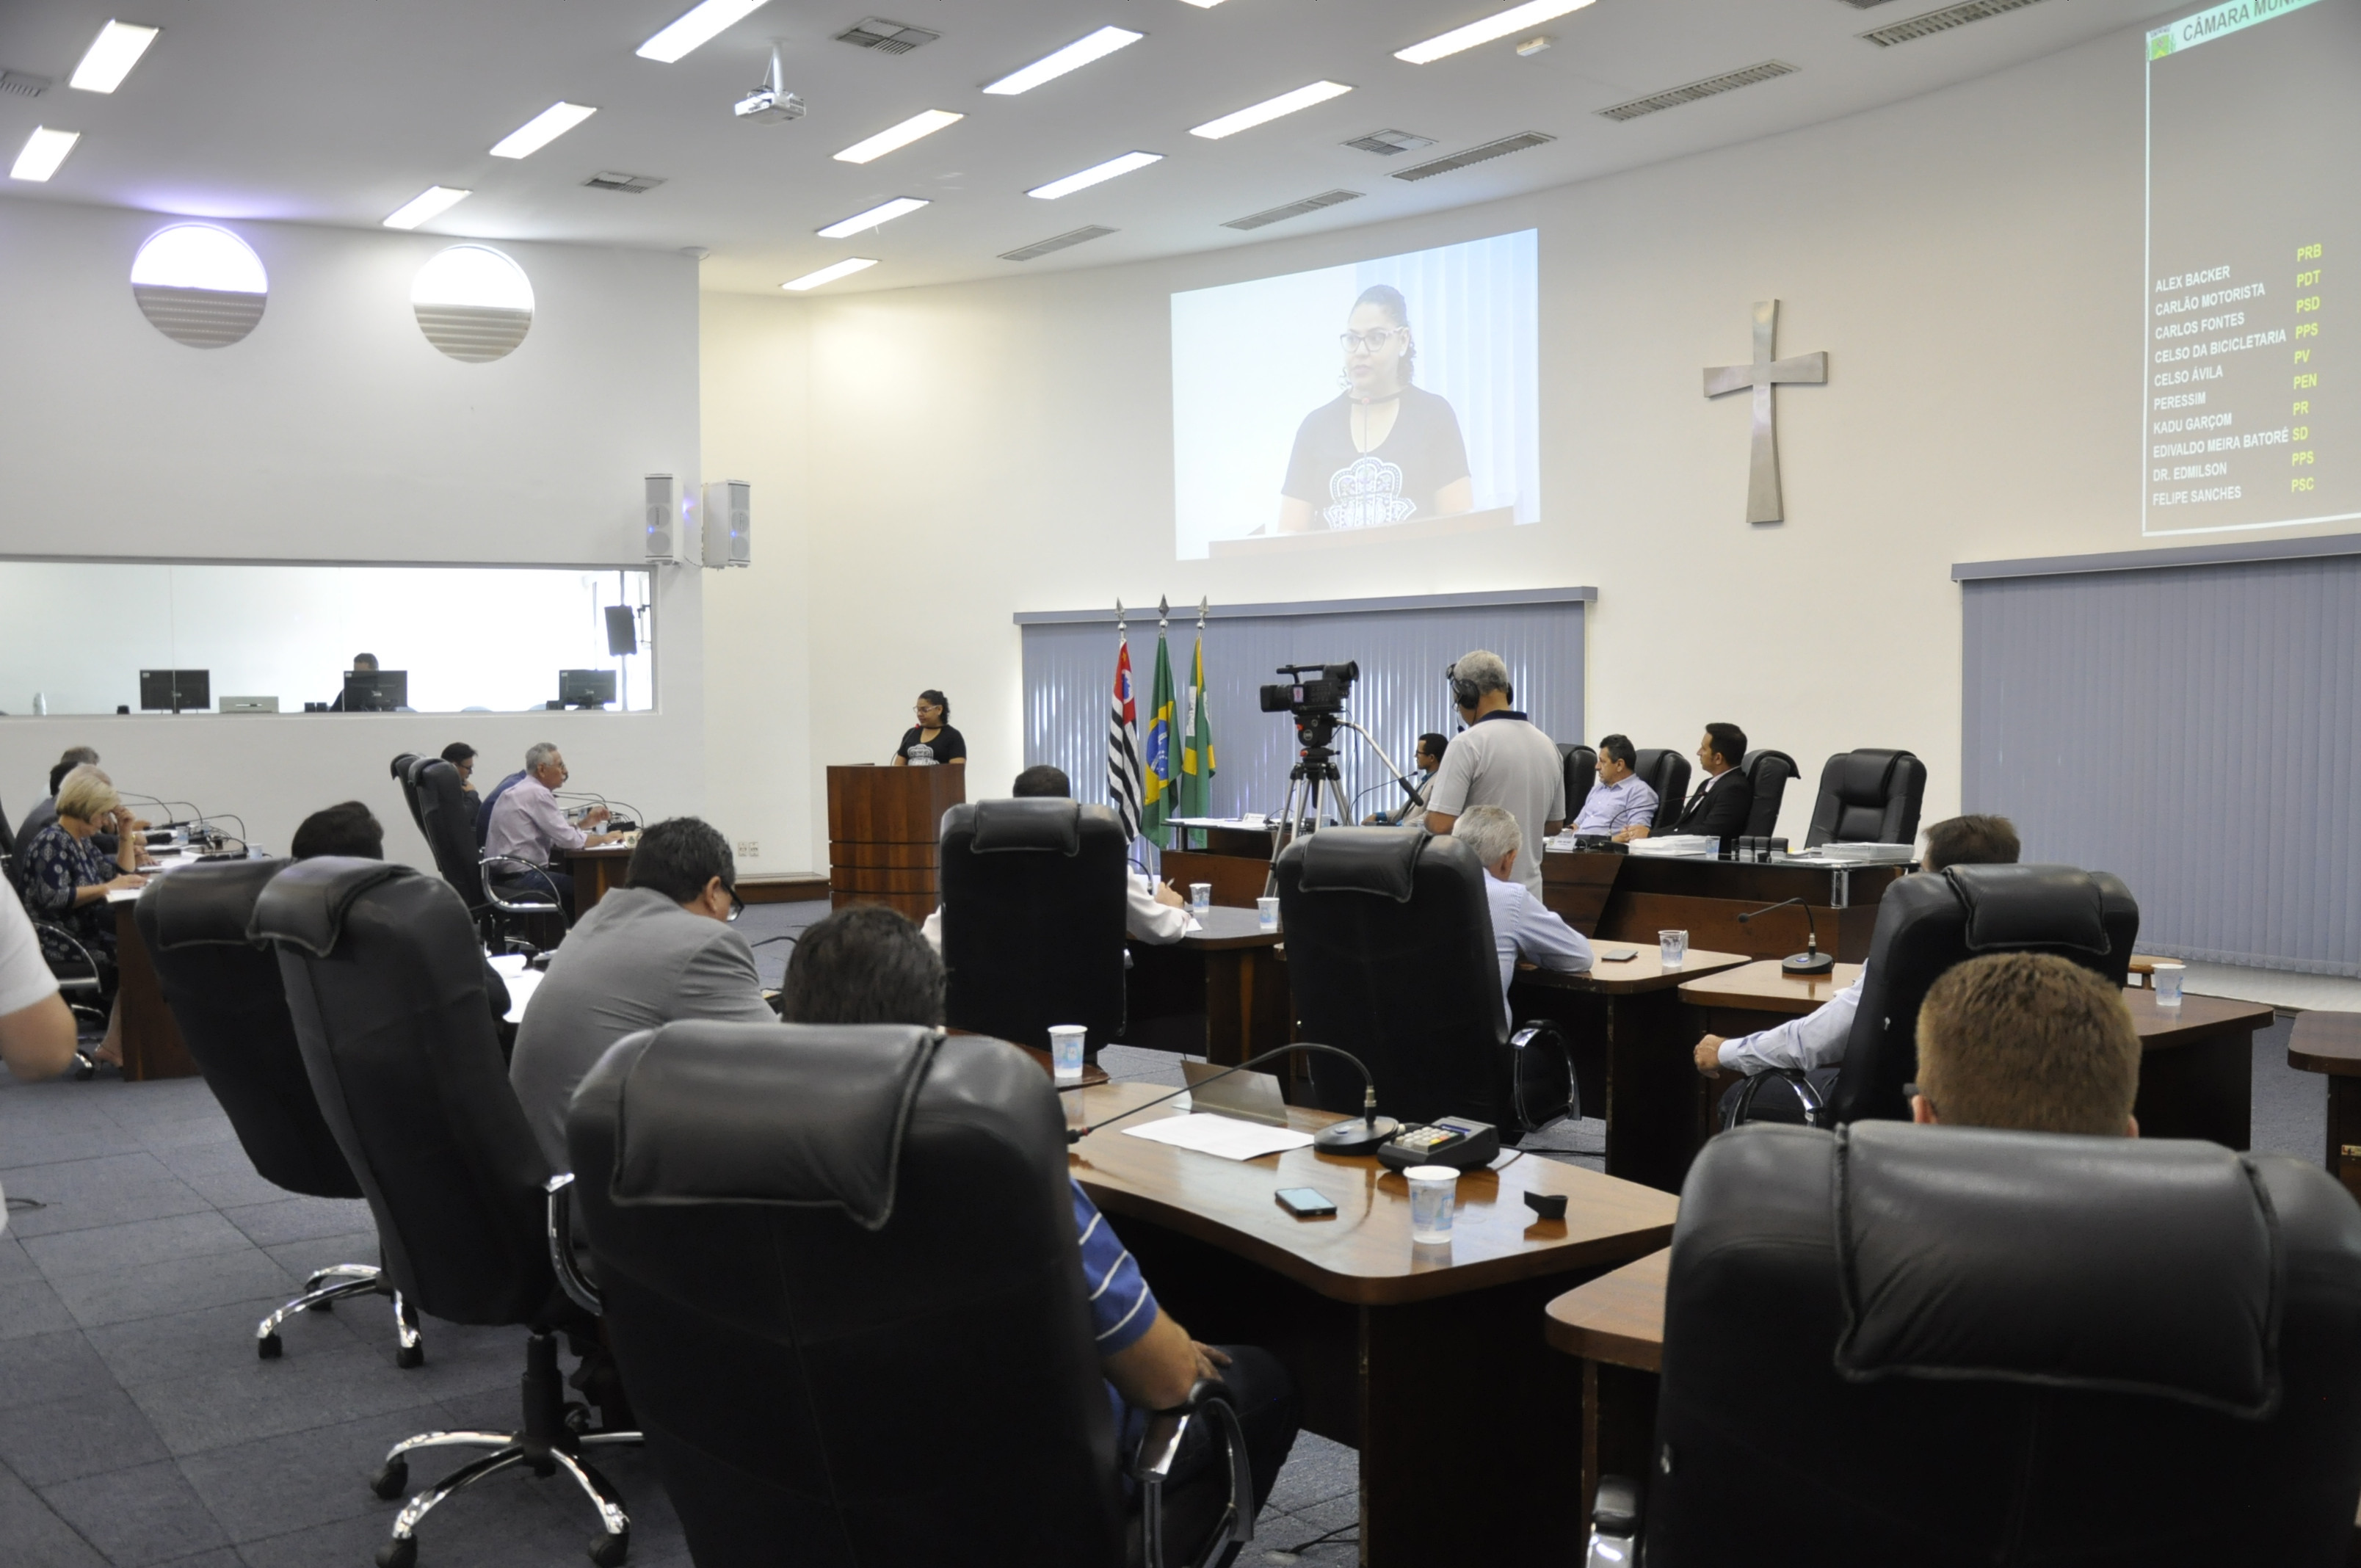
(1195, 787)
(1156, 788)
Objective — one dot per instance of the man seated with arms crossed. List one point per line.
(1412, 812)
(1502, 760)
(1153, 913)
(2028, 1041)
(1618, 804)
(1523, 929)
(1813, 1045)
(658, 949)
(527, 826)
(866, 964)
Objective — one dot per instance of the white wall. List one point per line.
(337, 432)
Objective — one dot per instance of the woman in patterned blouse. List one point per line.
(67, 878)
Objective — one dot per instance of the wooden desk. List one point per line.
(2329, 1043)
(1629, 898)
(1615, 1327)
(1376, 1330)
(152, 1047)
(597, 872)
(1646, 1082)
(1229, 974)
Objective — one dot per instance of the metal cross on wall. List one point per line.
(1765, 373)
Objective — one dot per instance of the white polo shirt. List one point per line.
(1503, 760)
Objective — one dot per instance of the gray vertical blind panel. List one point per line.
(2192, 730)
(1070, 685)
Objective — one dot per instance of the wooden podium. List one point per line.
(883, 830)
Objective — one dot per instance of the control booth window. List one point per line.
(105, 637)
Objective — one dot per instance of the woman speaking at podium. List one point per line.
(932, 740)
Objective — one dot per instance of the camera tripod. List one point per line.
(1314, 777)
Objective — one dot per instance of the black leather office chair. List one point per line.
(1868, 797)
(1666, 772)
(499, 913)
(912, 1378)
(1033, 919)
(1389, 957)
(226, 995)
(1581, 773)
(385, 984)
(404, 767)
(1768, 773)
(1952, 1346)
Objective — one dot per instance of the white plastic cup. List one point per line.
(1673, 947)
(1268, 909)
(1431, 1190)
(1066, 1051)
(2167, 980)
(1201, 896)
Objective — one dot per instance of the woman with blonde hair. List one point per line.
(67, 879)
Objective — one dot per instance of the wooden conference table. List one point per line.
(2329, 1043)
(1430, 1361)
(1220, 991)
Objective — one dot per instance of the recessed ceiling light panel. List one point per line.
(698, 24)
(884, 213)
(111, 56)
(199, 285)
(921, 124)
(884, 36)
(1084, 179)
(1269, 109)
(429, 202)
(830, 274)
(1073, 57)
(42, 152)
(472, 302)
(1515, 19)
(541, 129)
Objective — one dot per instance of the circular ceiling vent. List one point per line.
(473, 303)
(199, 285)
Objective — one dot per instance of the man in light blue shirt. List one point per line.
(1619, 801)
(1523, 927)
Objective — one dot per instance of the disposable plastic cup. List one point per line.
(1431, 1190)
(1201, 896)
(2167, 980)
(1066, 1051)
(1673, 946)
(1268, 909)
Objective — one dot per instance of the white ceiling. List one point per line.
(338, 111)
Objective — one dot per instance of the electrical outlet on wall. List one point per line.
(750, 850)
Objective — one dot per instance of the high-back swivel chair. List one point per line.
(404, 770)
(1581, 773)
(226, 992)
(911, 1377)
(1389, 957)
(1667, 773)
(385, 984)
(1033, 919)
(1954, 1346)
(1767, 773)
(443, 818)
(1868, 797)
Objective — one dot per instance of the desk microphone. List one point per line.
(639, 818)
(1345, 1137)
(1811, 960)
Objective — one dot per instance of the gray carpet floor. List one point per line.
(137, 1428)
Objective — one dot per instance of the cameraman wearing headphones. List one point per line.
(1501, 760)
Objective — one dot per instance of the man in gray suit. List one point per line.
(658, 949)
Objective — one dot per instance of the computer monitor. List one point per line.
(376, 691)
(175, 691)
(585, 688)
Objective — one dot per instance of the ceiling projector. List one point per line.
(771, 103)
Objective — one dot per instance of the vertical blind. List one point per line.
(1402, 645)
(2190, 729)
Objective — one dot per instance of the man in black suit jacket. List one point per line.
(1723, 800)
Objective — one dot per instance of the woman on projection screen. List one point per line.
(1384, 451)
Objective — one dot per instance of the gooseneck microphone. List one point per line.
(1345, 1137)
(1811, 960)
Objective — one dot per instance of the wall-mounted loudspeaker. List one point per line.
(729, 524)
(664, 520)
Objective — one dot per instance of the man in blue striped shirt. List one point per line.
(1619, 802)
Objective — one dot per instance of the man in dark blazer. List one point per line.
(1723, 799)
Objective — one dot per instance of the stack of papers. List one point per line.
(1223, 1136)
(1676, 844)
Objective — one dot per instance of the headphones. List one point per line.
(1463, 692)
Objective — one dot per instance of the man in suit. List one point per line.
(658, 949)
(1718, 809)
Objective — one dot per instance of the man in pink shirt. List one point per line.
(528, 826)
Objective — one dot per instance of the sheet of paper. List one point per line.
(1224, 1136)
(522, 986)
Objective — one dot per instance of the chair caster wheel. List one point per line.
(608, 1551)
(577, 1417)
(409, 1355)
(269, 1347)
(390, 1482)
(85, 1067)
(400, 1553)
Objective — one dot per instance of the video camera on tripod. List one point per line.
(1318, 703)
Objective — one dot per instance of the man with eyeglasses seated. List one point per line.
(658, 949)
